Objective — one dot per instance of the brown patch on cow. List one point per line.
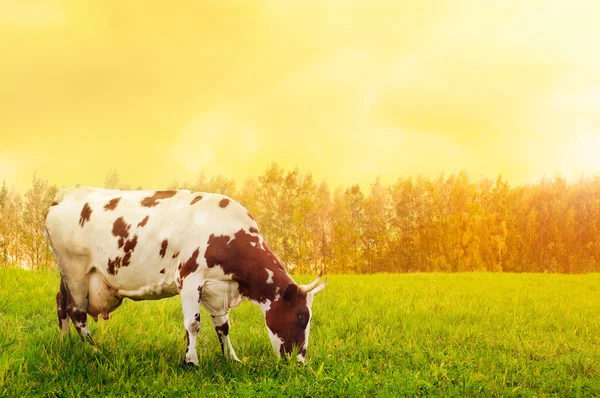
(143, 222)
(187, 341)
(196, 199)
(216, 249)
(113, 265)
(303, 351)
(197, 317)
(153, 200)
(224, 202)
(175, 255)
(121, 230)
(162, 271)
(130, 244)
(61, 303)
(80, 316)
(86, 213)
(163, 248)
(250, 215)
(191, 265)
(112, 204)
(79, 319)
(126, 259)
(223, 330)
(247, 262)
(253, 230)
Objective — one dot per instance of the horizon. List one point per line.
(364, 187)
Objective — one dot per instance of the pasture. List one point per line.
(380, 335)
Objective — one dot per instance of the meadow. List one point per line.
(466, 334)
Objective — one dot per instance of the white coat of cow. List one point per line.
(145, 245)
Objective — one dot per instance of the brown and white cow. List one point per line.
(146, 245)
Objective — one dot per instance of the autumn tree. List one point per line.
(111, 180)
(448, 223)
(215, 184)
(376, 229)
(321, 229)
(4, 223)
(35, 245)
(348, 230)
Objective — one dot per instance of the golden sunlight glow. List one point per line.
(349, 90)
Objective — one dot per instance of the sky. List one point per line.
(348, 90)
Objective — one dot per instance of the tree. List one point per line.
(348, 222)
(376, 237)
(4, 223)
(37, 201)
(248, 196)
(321, 228)
(410, 225)
(111, 180)
(270, 207)
(11, 229)
(3, 195)
(216, 184)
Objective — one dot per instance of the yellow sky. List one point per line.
(347, 89)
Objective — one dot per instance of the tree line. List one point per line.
(417, 224)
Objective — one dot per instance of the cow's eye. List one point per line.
(302, 319)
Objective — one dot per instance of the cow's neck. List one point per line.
(264, 301)
(260, 275)
(265, 286)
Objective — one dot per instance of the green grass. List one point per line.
(382, 335)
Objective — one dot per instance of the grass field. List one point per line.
(382, 335)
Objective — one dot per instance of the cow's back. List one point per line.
(137, 239)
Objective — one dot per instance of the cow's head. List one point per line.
(288, 318)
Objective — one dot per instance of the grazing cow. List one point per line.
(146, 245)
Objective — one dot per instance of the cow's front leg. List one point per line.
(221, 324)
(191, 320)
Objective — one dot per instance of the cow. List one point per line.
(147, 245)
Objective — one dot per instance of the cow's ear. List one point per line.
(290, 293)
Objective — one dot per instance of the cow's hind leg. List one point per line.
(190, 301)
(77, 287)
(221, 324)
(79, 319)
(61, 309)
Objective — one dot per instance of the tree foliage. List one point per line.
(22, 226)
(416, 224)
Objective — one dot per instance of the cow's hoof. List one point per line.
(189, 364)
